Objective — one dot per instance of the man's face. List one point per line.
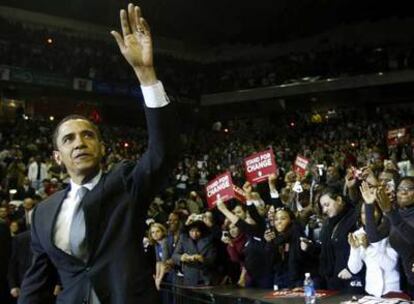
(79, 148)
(173, 222)
(195, 233)
(405, 194)
(28, 204)
(3, 212)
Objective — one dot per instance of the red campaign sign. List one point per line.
(259, 166)
(239, 194)
(301, 164)
(397, 136)
(288, 293)
(220, 188)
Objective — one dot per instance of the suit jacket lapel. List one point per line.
(55, 209)
(92, 206)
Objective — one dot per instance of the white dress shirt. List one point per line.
(154, 97)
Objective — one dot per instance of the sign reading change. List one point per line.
(259, 166)
(222, 187)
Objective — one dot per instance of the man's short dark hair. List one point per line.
(72, 117)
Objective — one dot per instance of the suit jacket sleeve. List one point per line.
(36, 281)
(144, 179)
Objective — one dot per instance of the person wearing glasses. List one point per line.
(401, 217)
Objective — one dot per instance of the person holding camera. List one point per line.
(196, 254)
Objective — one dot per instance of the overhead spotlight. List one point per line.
(51, 118)
(49, 40)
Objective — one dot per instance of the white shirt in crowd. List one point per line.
(382, 275)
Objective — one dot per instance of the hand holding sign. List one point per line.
(222, 188)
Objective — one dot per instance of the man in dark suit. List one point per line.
(5, 245)
(92, 231)
(24, 191)
(20, 261)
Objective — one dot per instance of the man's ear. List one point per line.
(339, 200)
(57, 157)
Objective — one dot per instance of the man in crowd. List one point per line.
(95, 239)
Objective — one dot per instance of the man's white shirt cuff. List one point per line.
(155, 96)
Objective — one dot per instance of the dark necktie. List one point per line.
(77, 238)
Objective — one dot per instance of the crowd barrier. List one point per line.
(179, 294)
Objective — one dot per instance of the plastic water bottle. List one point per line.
(309, 289)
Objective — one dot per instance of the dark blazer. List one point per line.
(5, 243)
(20, 259)
(115, 212)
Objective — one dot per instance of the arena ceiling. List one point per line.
(211, 22)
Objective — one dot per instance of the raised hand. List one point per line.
(353, 242)
(383, 200)
(247, 188)
(368, 193)
(350, 180)
(135, 44)
(272, 181)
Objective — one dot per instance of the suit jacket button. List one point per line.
(87, 269)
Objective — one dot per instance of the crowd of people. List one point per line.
(348, 220)
(71, 55)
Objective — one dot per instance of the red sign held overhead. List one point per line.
(398, 136)
(301, 164)
(222, 188)
(259, 166)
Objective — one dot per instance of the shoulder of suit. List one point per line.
(51, 199)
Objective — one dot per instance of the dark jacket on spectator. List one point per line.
(5, 243)
(334, 247)
(196, 273)
(402, 238)
(287, 263)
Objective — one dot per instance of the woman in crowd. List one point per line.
(283, 250)
(334, 248)
(255, 260)
(401, 219)
(158, 238)
(196, 254)
(235, 241)
(380, 259)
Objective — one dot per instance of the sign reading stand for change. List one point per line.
(301, 164)
(222, 187)
(259, 166)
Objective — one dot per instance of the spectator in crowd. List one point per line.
(258, 272)
(196, 254)
(26, 190)
(334, 248)
(380, 259)
(401, 219)
(236, 241)
(37, 172)
(158, 238)
(20, 260)
(14, 228)
(5, 241)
